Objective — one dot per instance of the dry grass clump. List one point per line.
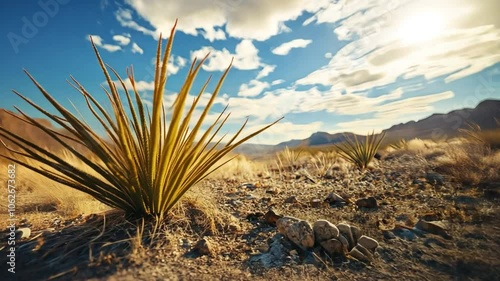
(240, 168)
(470, 163)
(490, 138)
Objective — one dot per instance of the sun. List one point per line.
(421, 27)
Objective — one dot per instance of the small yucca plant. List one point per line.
(360, 153)
(146, 163)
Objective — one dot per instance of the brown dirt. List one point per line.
(235, 228)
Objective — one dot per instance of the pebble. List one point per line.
(369, 202)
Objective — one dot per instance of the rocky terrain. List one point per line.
(401, 219)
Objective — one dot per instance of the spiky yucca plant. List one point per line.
(146, 165)
(360, 153)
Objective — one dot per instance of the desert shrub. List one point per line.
(147, 162)
(469, 163)
(360, 153)
(474, 134)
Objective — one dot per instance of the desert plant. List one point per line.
(489, 138)
(146, 162)
(402, 144)
(287, 159)
(360, 153)
(324, 161)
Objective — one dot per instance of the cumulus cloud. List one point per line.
(245, 57)
(408, 39)
(277, 82)
(175, 63)
(265, 71)
(256, 20)
(121, 39)
(137, 49)
(253, 88)
(285, 48)
(99, 42)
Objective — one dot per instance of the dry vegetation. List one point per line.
(226, 212)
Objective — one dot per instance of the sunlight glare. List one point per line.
(421, 27)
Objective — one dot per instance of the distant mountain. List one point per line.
(436, 126)
(444, 126)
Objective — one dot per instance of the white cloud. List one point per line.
(98, 41)
(124, 17)
(245, 57)
(283, 131)
(253, 88)
(285, 48)
(277, 82)
(266, 70)
(139, 85)
(328, 55)
(407, 39)
(122, 40)
(256, 20)
(175, 63)
(137, 49)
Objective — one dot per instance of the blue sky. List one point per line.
(332, 66)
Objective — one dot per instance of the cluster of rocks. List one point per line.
(335, 240)
(340, 239)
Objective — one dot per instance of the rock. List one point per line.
(333, 247)
(273, 190)
(204, 247)
(369, 202)
(357, 254)
(23, 233)
(344, 242)
(368, 243)
(377, 156)
(325, 230)
(345, 230)
(389, 235)
(284, 223)
(434, 178)
(334, 198)
(316, 203)
(271, 217)
(275, 256)
(298, 231)
(405, 234)
(434, 227)
(291, 199)
(356, 233)
(361, 253)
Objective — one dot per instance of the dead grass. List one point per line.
(470, 163)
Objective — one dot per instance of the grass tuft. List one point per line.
(360, 153)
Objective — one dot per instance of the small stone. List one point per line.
(345, 243)
(298, 231)
(345, 230)
(204, 247)
(434, 227)
(315, 203)
(368, 255)
(368, 243)
(434, 178)
(271, 217)
(357, 254)
(291, 199)
(333, 198)
(405, 234)
(389, 235)
(356, 233)
(333, 247)
(325, 230)
(23, 233)
(273, 190)
(369, 202)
